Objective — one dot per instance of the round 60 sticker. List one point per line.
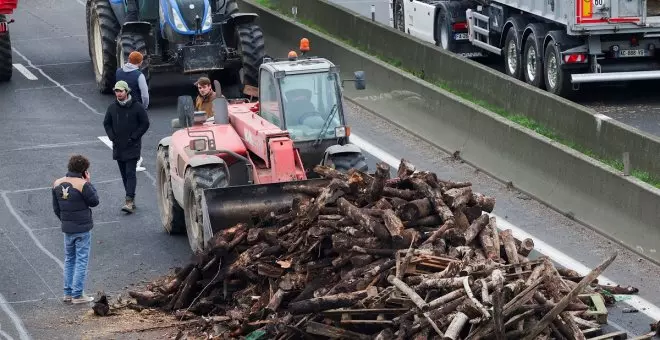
(599, 3)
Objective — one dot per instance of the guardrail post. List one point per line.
(294, 11)
(626, 163)
(373, 12)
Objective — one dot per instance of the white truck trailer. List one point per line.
(551, 44)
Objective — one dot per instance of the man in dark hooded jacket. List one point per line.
(125, 123)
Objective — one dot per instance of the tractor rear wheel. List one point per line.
(171, 213)
(196, 180)
(129, 42)
(101, 36)
(5, 54)
(346, 161)
(252, 48)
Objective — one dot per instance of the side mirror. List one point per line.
(360, 82)
(175, 123)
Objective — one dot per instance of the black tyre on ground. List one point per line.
(5, 54)
(129, 42)
(557, 80)
(171, 214)
(399, 16)
(533, 62)
(185, 109)
(346, 161)
(101, 36)
(511, 55)
(444, 32)
(196, 180)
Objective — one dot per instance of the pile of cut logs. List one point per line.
(369, 256)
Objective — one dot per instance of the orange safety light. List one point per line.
(293, 55)
(304, 45)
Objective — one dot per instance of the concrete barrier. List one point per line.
(605, 137)
(622, 208)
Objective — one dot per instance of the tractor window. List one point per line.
(268, 99)
(308, 100)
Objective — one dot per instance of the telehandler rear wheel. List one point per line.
(195, 181)
(5, 54)
(101, 36)
(171, 213)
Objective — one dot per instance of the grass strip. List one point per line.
(516, 118)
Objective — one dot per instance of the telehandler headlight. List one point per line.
(198, 144)
(342, 131)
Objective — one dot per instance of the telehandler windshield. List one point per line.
(308, 100)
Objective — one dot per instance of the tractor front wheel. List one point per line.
(5, 54)
(129, 42)
(171, 213)
(101, 35)
(196, 180)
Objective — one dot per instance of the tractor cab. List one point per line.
(303, 96)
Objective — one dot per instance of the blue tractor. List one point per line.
(190, 37)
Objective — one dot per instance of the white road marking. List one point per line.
(29, 231)
(80, 100)
(64, 64)
(15, 319)
(139, 166)
(635, 301)
(25, 72)
(54, 145)
(49, 188)
(95, 224)
(53, 87)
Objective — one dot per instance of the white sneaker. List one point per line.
(83, 299)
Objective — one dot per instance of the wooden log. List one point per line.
(455, 327)
(405, 169)
(498, 313)
(328, 172)
(393, 224)
(461, 238)
(383, 204)
(303, 189)
(332, 332)
(458, 197)
(525, 246)
(405, 194)
(275, 301)
(443, 283)
(363, 220)
(268, 270)
(496, 236)
(432, 220)
(435, 196)
(397, 203)
(485, 203)
(184, 298)
(404, 288)
(334, 190)
(416, 209)
(510, 248)
(486, 241)
(438, 233)
(319, 304)
(376, 188)
(548, 318)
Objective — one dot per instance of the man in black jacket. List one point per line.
(125, 123)
(73, 195)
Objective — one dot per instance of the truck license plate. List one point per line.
(460, 36)
(633, 53)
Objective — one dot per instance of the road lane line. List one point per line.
(15, 319)
(25, 72)
(635, 301)
(138, 168)
(80, 100)
(29, 231)
(52, 146)
(18, 191)
(5, 335)
(95, 224)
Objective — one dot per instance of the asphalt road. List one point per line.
(634, 103)
(55, 111)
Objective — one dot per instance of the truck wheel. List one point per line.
(129, 42)
(533, 62)
(399, 16)
(557, 80)
(196, 180)
(444, 32)
(346, 161)
(5, 54)
(185, 109)
(171, 213)
(101, 37)
(511, 55)
(252, 48)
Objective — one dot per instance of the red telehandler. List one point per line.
(7, 7)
